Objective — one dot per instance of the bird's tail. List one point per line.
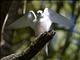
(46, 49)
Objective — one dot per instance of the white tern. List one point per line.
(41, 22)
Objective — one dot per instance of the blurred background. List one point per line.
(66, 43)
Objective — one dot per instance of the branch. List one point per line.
(33, 49)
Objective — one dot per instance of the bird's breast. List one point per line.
(43, 26)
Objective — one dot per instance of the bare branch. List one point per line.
(33, 49)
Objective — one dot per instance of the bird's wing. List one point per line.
(57, 18)
(24, 21)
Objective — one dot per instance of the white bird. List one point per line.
(41, 22)
(30, 20)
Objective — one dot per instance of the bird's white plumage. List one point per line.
(48, 14)
(34, 15)
(44, 23)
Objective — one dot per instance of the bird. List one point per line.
(30, 19)
(41, 22)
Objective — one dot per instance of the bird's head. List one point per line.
(39, 14)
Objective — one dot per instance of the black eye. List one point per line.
(38, 14)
